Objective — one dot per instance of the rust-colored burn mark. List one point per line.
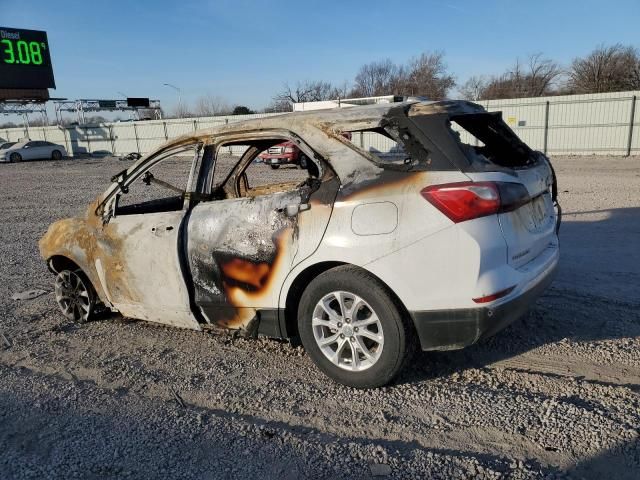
(86, 240)
(246, 271)
(248, 285)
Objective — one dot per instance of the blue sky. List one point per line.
(243, 51)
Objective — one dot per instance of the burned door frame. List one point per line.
(149, 276)
(238, 265)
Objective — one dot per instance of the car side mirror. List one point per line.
(26, 146)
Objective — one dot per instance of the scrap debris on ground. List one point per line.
(555, 395)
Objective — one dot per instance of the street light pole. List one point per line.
(179, 94)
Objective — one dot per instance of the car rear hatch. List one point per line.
(497, 154)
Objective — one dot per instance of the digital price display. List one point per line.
(25, 62)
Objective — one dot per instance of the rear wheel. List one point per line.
(353, 329)
(15, 157)
(56, 155)
(75, 295)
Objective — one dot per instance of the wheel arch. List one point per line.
(303, 279)
(57, 263)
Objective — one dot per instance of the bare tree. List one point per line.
(541, 75)
(473, 88)
(631, 60)
(426, 75)
(606, 69)
(340, 91)
(278, 105)
(181, 110)
(307, 91)
(376, 78)
(210, 106)
(538, 77)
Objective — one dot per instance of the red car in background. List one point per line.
(285, 153)
(288, 153)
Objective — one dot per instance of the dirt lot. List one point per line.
(553, 396)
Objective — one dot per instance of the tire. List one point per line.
(75, 295)
(15, 157)
(56, 155)
(275, 166)
(303, 163)
(394, 337)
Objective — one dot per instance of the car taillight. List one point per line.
(494, 296)
(468, 200)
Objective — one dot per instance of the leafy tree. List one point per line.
(242, 110)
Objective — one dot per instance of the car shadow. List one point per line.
(593, 298)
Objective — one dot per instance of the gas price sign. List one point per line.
(25, 61)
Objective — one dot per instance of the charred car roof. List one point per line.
(314, 127)
(367, 116)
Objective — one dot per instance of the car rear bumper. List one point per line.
(277, 160)
(457, 328)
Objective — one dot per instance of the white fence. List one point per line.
(120, 138)
(573, 124)
(606, 123)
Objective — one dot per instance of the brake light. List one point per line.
(468, 200)
(494, 296)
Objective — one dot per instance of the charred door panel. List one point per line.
(147, 256)
(241, 250)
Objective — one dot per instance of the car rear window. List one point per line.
(380, 145)
(485, 137)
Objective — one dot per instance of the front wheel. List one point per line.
(353, 329)
(75, 295)
(275, 166)
(15, 157)
(303, 162)
(56, 155)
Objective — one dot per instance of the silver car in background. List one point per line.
(32, 150)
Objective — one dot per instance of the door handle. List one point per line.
(293, 209)
(160, 228)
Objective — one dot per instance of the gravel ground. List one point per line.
(553, 396)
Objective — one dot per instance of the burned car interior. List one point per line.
(159, 189)
(493, 140)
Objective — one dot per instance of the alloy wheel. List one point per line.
(347, 331)
(74, 296)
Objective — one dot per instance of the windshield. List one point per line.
(485, 137)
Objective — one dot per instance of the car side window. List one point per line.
(262, 179)
(242, 170)
(162, 187)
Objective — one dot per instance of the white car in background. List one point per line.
(32, 150)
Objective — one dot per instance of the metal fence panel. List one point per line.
(570, 124)
(175, 128)
(151, 135)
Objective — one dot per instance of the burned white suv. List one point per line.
(431, 224)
